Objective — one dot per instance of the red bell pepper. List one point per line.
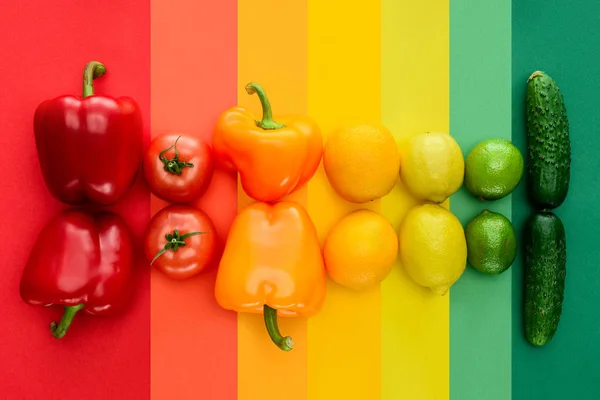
(89, 148)
(82, 261)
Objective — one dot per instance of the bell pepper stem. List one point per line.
(93, 70)
(60, 330)
(285, 343)
(267, 122)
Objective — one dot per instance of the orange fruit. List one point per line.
(362, 162)
(360, 250)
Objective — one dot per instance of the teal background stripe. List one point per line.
(480, 108)
(563, 38)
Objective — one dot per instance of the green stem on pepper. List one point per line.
(267, 119)
(174, 241)
(285, 343)
(173, 166)
(93, 70)
(60, 330)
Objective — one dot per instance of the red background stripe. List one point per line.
(44, 46)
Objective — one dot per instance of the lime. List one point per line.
(493, 169)
(491, 243)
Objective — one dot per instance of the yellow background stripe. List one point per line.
(272, 41)
(415, 98)
(344, 78)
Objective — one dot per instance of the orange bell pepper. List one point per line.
(272, 264)
(272, 158)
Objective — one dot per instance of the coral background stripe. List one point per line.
(272, 52)
(480, 305)
(415, 99)
(193, 76)
(344, 59)
(44, 47)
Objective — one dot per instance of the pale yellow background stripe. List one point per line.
(272, 38)
(415, 98)
(344, 86)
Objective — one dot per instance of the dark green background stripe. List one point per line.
(480, 108)
(563, 38)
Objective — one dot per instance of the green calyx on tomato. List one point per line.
(180, 241)
(174, 241)
(173, 166)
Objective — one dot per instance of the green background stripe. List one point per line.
(480, 108)
(563, 38)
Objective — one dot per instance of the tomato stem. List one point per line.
(267, 119)
(174, 241)
(285, 343)
(93, 70)
(173, 166)
(60, 330)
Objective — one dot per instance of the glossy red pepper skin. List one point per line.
(89, 148)
(81, 258)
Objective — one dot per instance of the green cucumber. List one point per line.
(545, 272)
(548, 142)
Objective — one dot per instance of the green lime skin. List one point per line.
(493, 169)
(491, 243)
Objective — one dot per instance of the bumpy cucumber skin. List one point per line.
(548, 142)
(545, 273)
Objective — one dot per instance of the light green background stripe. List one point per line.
(480, 108)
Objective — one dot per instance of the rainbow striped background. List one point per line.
(381, 60)
(457, 66)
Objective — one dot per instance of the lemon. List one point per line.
(360, 250)
(361, 162)
(494, 169)
(433, 249)
(432, 166)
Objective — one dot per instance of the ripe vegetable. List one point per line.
(83, 262)
(548, 141)
(272, 265)
(89, 148)
(273, 156)
(180, 241)
(178, 168)
(545, 272)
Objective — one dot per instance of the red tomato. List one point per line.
(180, 241)
(178, 168)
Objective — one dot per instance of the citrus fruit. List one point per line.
(360, 250)
(432, 166)
(491, 242)
(494, 168)
(433, 249)
(361, 162)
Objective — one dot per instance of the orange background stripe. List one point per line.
(344, 87)
(272, 42)
(193, 76)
